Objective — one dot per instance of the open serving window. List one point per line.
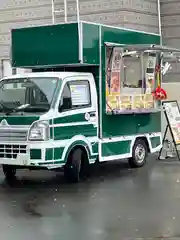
(133, 77)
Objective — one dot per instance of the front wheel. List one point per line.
(139, 154)
(9, 171)
(73, 166)
(77, 166)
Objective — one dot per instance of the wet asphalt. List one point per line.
(116, 203)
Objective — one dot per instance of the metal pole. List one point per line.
(159, 20)
(53, 12)
(79, 30)
(65, 10)
(77, 11)
(160, 34)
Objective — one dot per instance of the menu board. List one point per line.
(172, 113)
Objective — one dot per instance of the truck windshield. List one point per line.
(35, 94)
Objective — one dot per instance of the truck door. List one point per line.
(77, 109)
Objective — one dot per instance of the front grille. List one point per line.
(11, 150)
(13, 135)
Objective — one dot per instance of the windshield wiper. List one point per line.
(28, 108)
(36, 109)
(4, 107)
(17, 109)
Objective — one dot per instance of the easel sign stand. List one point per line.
(172, 114)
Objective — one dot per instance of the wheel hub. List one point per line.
(140, 153)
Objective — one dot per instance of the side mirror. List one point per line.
(66, 104)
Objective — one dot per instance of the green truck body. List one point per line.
(73, 51)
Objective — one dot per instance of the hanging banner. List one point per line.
(113, 58)
(150, 73)
(115, 71)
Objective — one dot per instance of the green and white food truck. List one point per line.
(86, 97)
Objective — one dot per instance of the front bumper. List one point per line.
(21, 160)
(26, 154)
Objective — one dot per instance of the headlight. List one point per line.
(39, 131)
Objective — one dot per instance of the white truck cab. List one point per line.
(44, 115)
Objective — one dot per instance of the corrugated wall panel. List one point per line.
(136, 14)
(170, 18)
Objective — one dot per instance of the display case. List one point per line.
(132, 76)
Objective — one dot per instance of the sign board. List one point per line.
(151, 63)
(116, 59)
(80, 94)
(150, 73)
(172, 113)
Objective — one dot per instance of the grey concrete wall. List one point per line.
(20, 13)
(170, 18)
(136, 14)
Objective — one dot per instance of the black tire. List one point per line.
(9, 171)
(85, 166)
(139, 154)
(76, 166)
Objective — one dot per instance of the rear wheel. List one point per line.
(77, 165)
(139, 154)
(9, 171)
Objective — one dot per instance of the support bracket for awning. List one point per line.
(166, 51)
(144, 47)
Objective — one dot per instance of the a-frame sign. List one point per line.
(172, 114)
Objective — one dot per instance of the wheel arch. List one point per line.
(80, 142)
(76, 146)
(146, 140)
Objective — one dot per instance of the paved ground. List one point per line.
(115, 204)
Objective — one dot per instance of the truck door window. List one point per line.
(65, 102)
(76, 94)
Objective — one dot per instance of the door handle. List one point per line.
(92, 114)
